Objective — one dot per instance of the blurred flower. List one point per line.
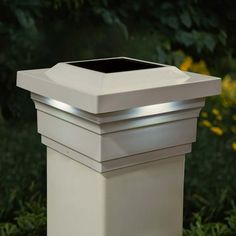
(215, 111)
(234, 117)
(234, 146)
(228, 91)
(198, 67)
(186, 64)
(206, 123)
(217, 130)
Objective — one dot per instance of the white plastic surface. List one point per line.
(132, 129)
(98, 92)
(117, 144)
(141, 200)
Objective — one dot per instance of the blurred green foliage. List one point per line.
(227, 228)
(192, 34)
(36, 33)
(22, 182)
(30, 220)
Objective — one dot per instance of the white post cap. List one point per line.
(119, 83)
(117, 112)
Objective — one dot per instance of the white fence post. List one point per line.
(117, 131)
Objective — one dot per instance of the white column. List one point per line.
(124, 177)
(140, 200)
(116, 144)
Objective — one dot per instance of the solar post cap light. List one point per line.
(117, 131)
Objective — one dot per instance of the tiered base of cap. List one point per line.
(120, 139)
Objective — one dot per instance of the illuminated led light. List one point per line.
(61, 105)
(123, 114)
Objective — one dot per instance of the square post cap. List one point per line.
(113, 84)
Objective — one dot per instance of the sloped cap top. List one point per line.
(113, 75)
(110, 84)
